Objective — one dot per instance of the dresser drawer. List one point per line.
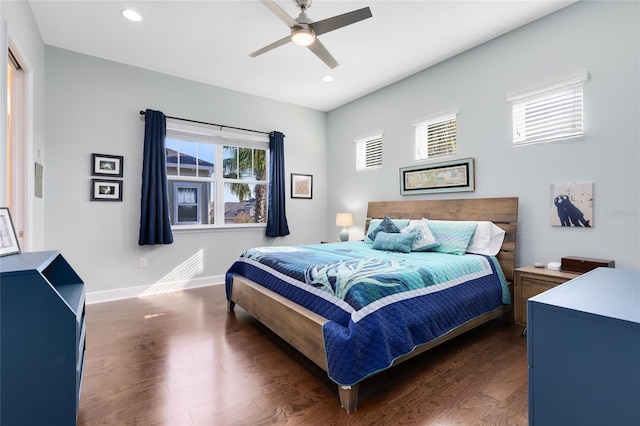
(533, 285)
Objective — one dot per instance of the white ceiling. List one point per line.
(210, 41)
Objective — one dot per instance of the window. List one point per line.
(216, 177)
(437, 136)
(187, 209)
(369, 152)
(550, 112)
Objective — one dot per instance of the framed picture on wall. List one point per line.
(106, 190)
(8, 239)
(107, 165)
(301, 186)
(446, 176)
(572, 204)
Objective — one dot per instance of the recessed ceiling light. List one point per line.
(327, 78)
(131, 15)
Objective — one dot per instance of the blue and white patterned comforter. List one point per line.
(379, 305)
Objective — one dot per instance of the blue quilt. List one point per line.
(379, 305)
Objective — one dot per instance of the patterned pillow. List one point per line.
(386, 225)
(393, 242)
(454, 236)
(424, 239)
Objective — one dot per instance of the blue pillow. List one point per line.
(387, 225)
(393, 242)
(454, 236)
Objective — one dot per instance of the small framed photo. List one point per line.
(301, 186)
(106, 190)
(8, 239)
(107, 165)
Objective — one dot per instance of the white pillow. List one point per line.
(487, 239)
(424, 238)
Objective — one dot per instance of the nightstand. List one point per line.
(530, 281)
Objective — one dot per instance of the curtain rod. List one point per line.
(222, 126)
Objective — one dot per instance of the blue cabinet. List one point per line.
(42, 339)
(583, 348)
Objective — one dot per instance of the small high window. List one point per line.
(369, 152)
(436, 136)
(549, 112)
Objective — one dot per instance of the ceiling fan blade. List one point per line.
(322, 53)
(273, 45)
(284, 17)
(339, 21)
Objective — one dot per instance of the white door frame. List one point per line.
(22, 171)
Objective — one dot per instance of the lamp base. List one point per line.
(344, 235)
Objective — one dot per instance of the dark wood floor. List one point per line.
(181, 359)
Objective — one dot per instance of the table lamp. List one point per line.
(344, 220)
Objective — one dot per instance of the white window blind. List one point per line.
(436, 136)
(369, 152)
(550, 112)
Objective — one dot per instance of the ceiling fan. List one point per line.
(304, 31)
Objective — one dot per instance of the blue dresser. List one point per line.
(42, 339)
(583, 347)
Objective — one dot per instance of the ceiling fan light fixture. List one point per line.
(303, 37)
(304, 31)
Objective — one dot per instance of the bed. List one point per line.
(350, 333)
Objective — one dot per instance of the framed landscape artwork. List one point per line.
(447, 176)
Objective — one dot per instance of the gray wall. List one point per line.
(599, 37)
(92, 106)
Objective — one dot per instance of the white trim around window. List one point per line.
(369, 151)
(549, 111)
(436, 135)
(218, 197)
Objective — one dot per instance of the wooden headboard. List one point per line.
(501, 211)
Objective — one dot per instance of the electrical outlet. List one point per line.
(142, 262)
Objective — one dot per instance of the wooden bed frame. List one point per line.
(302, 328)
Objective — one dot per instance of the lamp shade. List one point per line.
(344, 219)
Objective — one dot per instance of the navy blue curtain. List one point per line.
(276, 216)
(155, 226)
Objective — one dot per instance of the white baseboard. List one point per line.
(148, 290)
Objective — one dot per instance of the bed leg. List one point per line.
(348, 397)
(231, 306)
